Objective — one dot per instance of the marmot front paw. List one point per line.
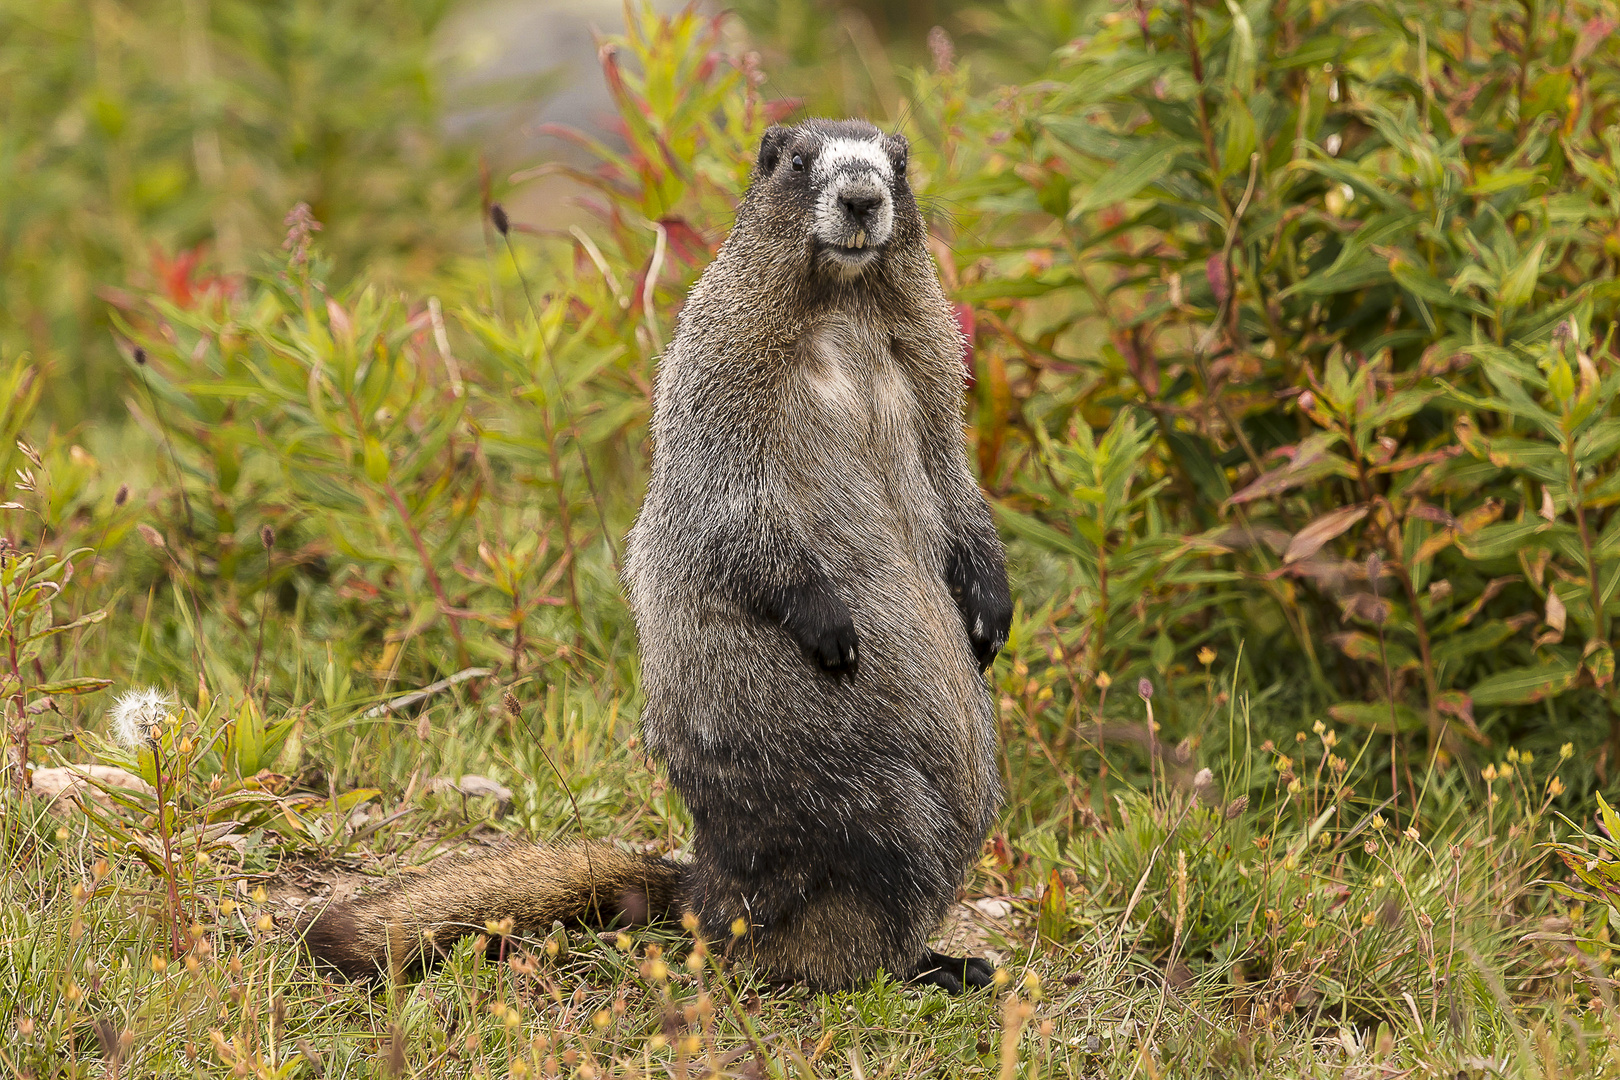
(986, 604)
(825, 631)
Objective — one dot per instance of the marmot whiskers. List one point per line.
(818, 587)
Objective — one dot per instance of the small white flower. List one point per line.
(136, 713)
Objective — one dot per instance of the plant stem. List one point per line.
(566, 519)
(427, 568)
(562, 403)
(1600, 624)
(1431, 688)
(176, 944)
(264, 598)
(1203, 109)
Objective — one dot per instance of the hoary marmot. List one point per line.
(818, 587)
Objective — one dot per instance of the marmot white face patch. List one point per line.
(838, 155)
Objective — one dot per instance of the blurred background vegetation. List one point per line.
(1294, 379)
(1293, 327)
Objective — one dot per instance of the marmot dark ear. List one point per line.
(770, 148)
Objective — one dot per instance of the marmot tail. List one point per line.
(410, 924)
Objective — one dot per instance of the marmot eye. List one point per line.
(798, 163)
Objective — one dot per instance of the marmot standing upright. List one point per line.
(818, 587)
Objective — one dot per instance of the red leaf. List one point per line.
(1139, 358)
(1309, 540)
(686, 242)
(1458, 704)
(1309, 461)
(781, 108)
(1215, 270)
(967, 322)
(1431, 513)
(607, 54)
(1597, 28)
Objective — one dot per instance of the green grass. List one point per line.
(1187, 937)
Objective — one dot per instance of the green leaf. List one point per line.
(1542, 460)
(1599, 443)
(1014, 288)
(1489, 183)
(1398, 406)
(1365, 181)
(1478, 641)
(1241, 53)
(1241, 138)
(1599, 661)
(245, 740)
(1378, 716)
(1520, 283)
(1502, 540)
(1194, 453)
(1561, 381)
(1611, 820)
(1162, 653)
(1042, 534)
(1117, 76)
(81, 621)
(85, 685)
(1523, 686)
(376, 461)
(1134, 172)
(1087, 137)
(1362, 646)
(1347, 274)
(1425, 286)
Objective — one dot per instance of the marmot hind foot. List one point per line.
(953, 974)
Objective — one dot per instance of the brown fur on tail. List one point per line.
(416, 920)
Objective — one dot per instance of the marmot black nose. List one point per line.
(860, 205)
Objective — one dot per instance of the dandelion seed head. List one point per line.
(136, 712)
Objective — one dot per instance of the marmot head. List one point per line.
(841, 185)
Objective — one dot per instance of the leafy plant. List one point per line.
(1354, 261)
(157, 145)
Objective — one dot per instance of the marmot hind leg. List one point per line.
(832, 943)
(838, 942)
(829, 953)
